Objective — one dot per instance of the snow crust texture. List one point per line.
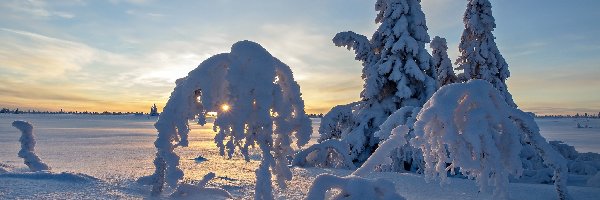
(27, 151)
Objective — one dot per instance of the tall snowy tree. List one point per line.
(258, 103)
(479, 56)
(441, 63)
(396, 70)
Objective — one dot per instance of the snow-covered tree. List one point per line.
(27, 151)
(257, 102)
(441, 63)
(153, 110)
(396, 70)
(479, 56)
(470, 126)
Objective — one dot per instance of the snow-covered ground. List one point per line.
(119, 149)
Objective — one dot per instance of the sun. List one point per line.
(225, 107)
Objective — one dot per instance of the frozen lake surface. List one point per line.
(119, 149)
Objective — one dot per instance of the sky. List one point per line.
(125, 55)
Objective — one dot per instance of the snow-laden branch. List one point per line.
(27, 151)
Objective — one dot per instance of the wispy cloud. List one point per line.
(35, 55)
(37, 8)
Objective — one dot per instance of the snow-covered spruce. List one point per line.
(470, 126)
(27, 151)
(479, 56)
(257, 102)
(396, 70)
(441, 63)
(352, 188)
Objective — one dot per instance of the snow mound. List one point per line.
(329, 153)
(200, 191)
(45, 175)
(352, 188)
(4, 168)
(594, 181)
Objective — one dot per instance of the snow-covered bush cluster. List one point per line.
(468, 126)
(578, 163)
(257, 102)
(27, 151)
(337, 121)
(352, 188)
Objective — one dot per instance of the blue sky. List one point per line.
(126, 54)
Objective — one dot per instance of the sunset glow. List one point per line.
(225, 108)
(71, 64)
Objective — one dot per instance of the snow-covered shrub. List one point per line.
(257, 102)
(338, 120)
(352, 188)
(479, 56)
(594, 181)
(200, 190)
(27, 151)
(444, 73)
(329, 153)
(578, 163)
(396, 70)
(470, 126)
(404, 157)
(381, 157)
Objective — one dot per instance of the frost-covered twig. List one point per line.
(27, 151)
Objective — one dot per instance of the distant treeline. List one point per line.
(17, 111)
(320, 115)
(585, 115)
